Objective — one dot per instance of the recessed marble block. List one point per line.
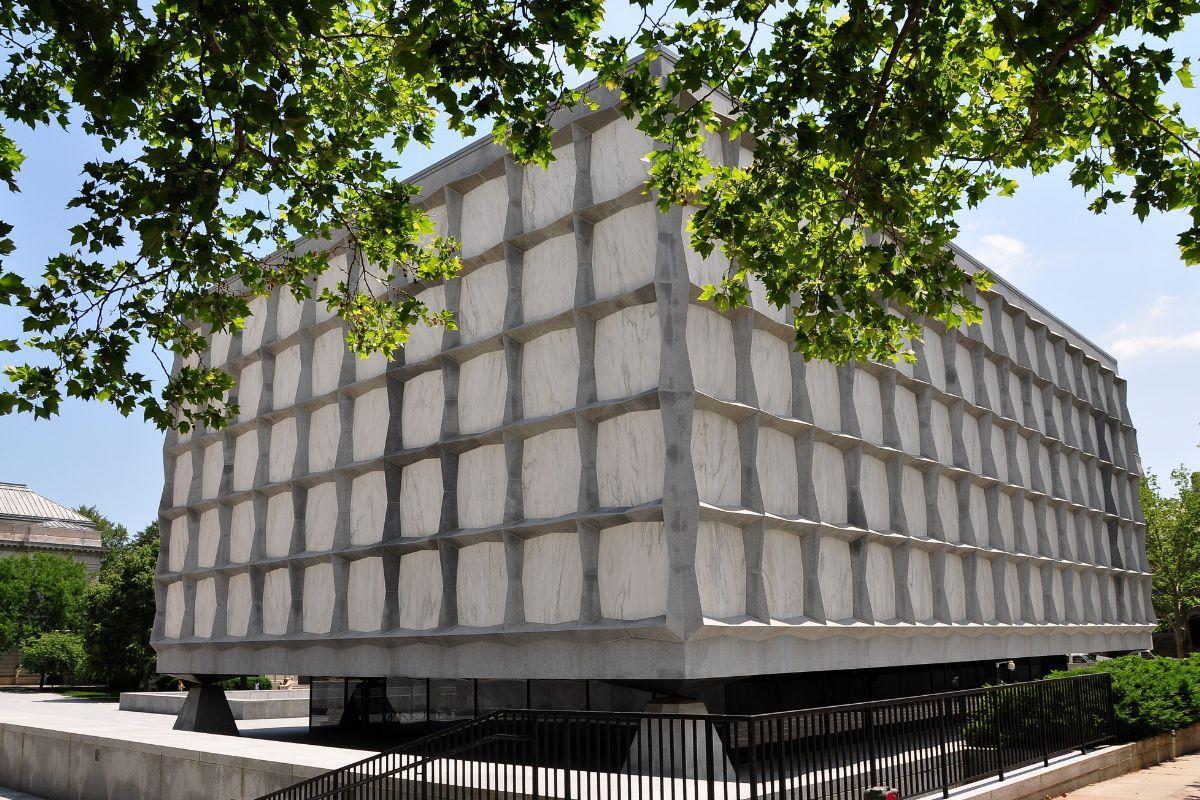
(218, 348)
(920, 585)
(324, 437)
(836, 579)
(288, 313)
(912, 498)
(873, 486)
(702, 271)
(770, 362)
(328, 352)
(710, 351)
(633, 571)
(1012, 590)
(985, 590)
(777, 478)
(947, 509)
(552, 577)
(1004, 522)
(624, 247)
(548, 275)
(177, 549)
(829, 482)
(372, 412)
(966, 373)
(716, 458)
(619, 159)
(241, 532)
(1036, 596)
(173, 614)
(209, 537)
(256, 322)
(868, 406)
(907, 421)
(368, 507)
(824, 397)
(214, 467)
(939, 426)
(249, 390)
(238, 604)
(282, 460)
(369, 367)
(1014, 396)
(281, 521)
(934, 357)
(484, 296)
(955, 587)
(1096, 612)
(276, 602)
(1024, 478)
(483, 484)
(483, 211)
(421, 498)
(630, 459)
(1058, 596)
(549, 373)
(181, 480)
(550, 469)
(720, 570)
(1057, 413)
(978, 514)
(1043, 468)
(482, 390)
(285, 382)
(762, 304)
(320, 517)
(482, 584)
(970, 443)
(1038, 420)
(881, 582)
(991, 383)
(426, 340)
(366, 595)
(421, 415)
(627, 359)
(206, 608)
(548, 194)
(318, 598)
(420, 590)
(783, 574)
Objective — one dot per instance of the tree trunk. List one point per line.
(1177, 629)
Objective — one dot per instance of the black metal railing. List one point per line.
(917, 745)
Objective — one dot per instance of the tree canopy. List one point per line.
(232, 129)
(38, 594)
(1173, 549)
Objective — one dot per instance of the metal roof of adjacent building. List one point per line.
(19, 502)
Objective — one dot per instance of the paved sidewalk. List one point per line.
(13, 794)
(1172, 780)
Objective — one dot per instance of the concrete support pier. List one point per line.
(206, 710)
(678, 747)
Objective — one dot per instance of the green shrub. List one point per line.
(252, 682)
(56, 653)
(1151, 696)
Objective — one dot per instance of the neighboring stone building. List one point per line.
(600, 483)
(30, 523)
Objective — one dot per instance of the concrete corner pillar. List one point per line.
(691, 739)
(206, 710)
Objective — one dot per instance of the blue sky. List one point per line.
(1117, 281)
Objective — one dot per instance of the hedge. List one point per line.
(1151, 696)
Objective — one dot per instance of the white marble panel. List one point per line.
(484, 296)
(181, 481)
(873, 486)
(824, 397)
(935, 358)
(548, 275)
(426, 340)
(1004, 521)
(318, 598)
(206, 607)
(256, 323)
(420, 590)
(549, 194)
(1022, 457)
(249, 390)
(633, 571)
(966, 372)
(954, 586)
(762, 304)
(482, 584)
(421, 414)
(991, 382)
(1014, 396)
(619, 159)
(630, 459)
(173, 614)
(483, 484)
(907, 421)
(987, 330)
(711, 353)
(836, 578)
(783, 574)
(1058, 595)
(482, 390)
(1012, 590)
(1050, 520)
(238, 605)
(329, 350)
(337, 272)
(212, 469)
(978, 513)
(1037, 600)
(281, 521)
(320, 517)
(717, 459)
(285, 381)
(550, 469)
(552, 578)
(366, 595)
(549, 373)
(868, 406)
(421, 498)
(920, 585)
(985, 590)
(881, 582)
(947, 506)
(368, 507)
(1056, 412)
(777, 477)
(218, 348)
(1093, 590)
(912, 497)
(177, 549)
(627, 352)
(324, 436)
(770, 361)
(624, 247)
(241, 532)
(999, 453)
(484, 210)
(288, 313)
(209, 538)
(1044, 468)
(939, 425)
(276, 602)
(1039, 411)
(1008, 334)
(970, 442)
(720, 570)
(372, 411)
(829, 482)
(282, 460)
(1029, 534)
(369, 367)
(702, 271)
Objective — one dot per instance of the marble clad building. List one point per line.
(599, 476)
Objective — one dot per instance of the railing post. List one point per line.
(1040, 697)
(753, 740)
(945, 767)
(1075, 685)
(869, 724)
(993, 698)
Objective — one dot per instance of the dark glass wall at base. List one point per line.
(361, 704)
